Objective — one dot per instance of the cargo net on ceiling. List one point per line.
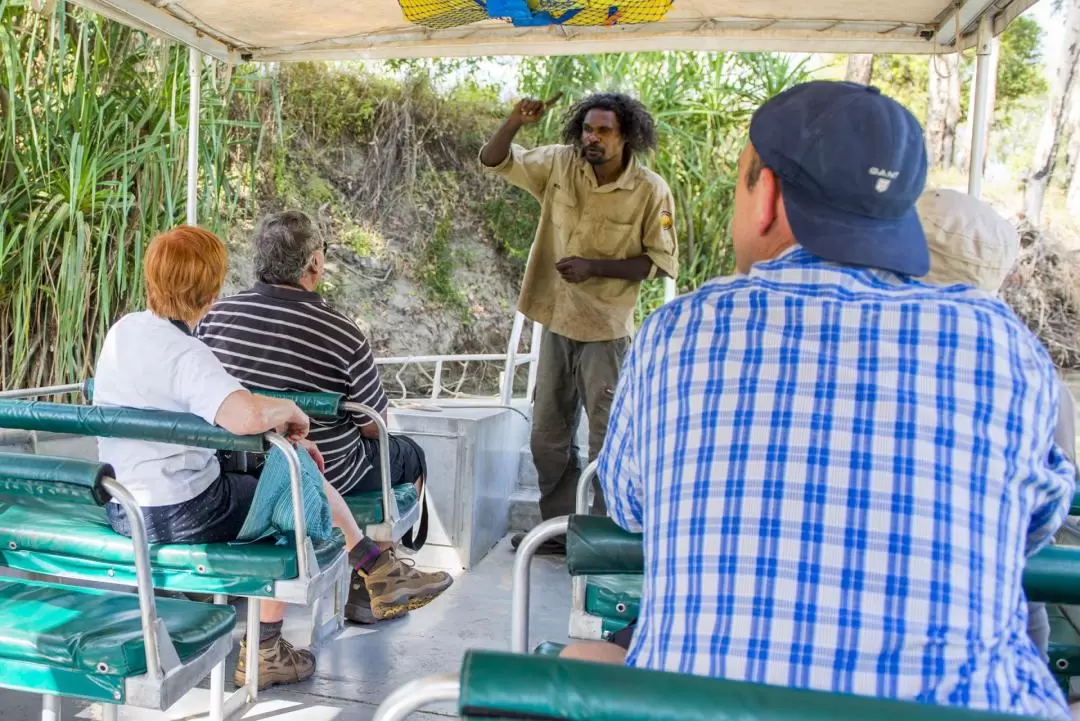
(528, 13)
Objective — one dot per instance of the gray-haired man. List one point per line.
(281, 335)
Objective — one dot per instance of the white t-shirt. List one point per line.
(146, 362)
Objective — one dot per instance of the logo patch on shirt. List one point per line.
(666, 221)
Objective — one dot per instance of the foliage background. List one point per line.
(92, 147)
(427, 249)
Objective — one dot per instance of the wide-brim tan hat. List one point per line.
(969, 241)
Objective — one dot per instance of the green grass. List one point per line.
(437, 270)
(511, 216)
(93, 141)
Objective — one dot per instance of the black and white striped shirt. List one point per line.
(289, 339)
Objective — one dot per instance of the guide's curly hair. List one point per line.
(635, 123)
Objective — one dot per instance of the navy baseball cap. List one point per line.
(852, 164)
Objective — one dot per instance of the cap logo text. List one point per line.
(884, 178)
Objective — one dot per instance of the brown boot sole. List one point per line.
(384, 610)
(360, 614)
(240, 679)
(390, 611)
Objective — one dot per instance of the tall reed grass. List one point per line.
(93, 121)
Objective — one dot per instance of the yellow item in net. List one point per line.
(602, 12)
(439, 14)
(443, 13)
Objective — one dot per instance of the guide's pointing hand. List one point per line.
(530, 110)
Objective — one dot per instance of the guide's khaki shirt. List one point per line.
(630, 217)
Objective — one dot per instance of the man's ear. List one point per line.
(766, 200)
(316, 264)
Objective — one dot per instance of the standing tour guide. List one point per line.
(606, 224)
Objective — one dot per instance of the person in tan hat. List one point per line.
(971, 244)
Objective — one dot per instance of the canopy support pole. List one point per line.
(981, 109)
(195, 82)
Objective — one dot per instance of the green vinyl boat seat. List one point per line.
(1064, 648)
(49, 537)
(96, 632)
(606, 563)
(115, 647)
(369, 509)
(1053, 575)
(503, 686)
(259, 569)
(63, 539)
(616, 600)
(610, 561)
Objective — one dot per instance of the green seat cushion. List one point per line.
(616, 598)
(1064, 650)
(529, 686)
(595, 544)
(97, 631)
(367, 507)
(79, 533)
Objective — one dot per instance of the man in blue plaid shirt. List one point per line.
(839, 471)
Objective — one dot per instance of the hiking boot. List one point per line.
(279, 662)
(394, 587)
(551, 547)
(358, 606)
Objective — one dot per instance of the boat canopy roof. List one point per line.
(284, 30)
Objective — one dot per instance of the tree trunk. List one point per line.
(860, 69)
(1072, 163)
(1072, 194)
(1063, 94)
(943, 113)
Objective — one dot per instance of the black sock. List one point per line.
(364, 555)
(269, 633)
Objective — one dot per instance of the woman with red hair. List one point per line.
(150, 360)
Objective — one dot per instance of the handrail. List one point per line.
(417, 694)
(579, 584)
(506, 388)
(450, 358)
(512, 360)
(519, 600)
(144, 582)
(42, 391)
(303, 559)
(584, 485)
(391, 511)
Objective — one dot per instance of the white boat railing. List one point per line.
(511, 361)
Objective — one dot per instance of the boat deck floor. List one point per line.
(363, 664)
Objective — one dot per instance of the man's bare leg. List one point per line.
(342, 517)
(596, 652)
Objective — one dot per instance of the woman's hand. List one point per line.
(245, 414)
(295, 424)
(316, 456)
